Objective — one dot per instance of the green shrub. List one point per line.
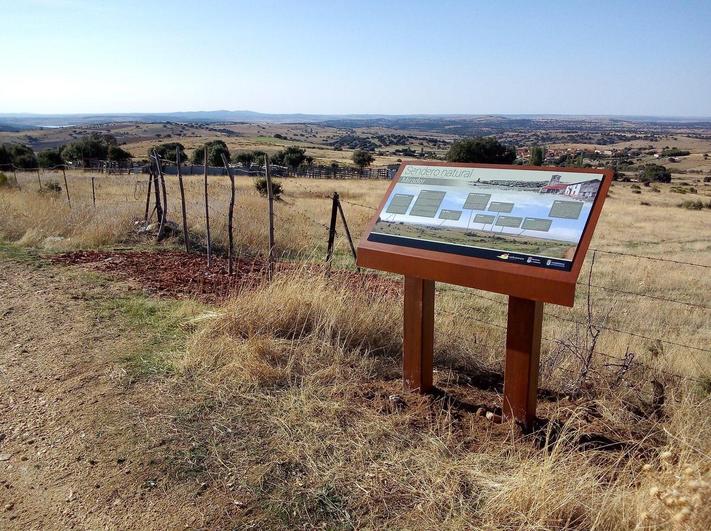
(694, 204)
(261, 185)
(486, 150)
(674, 152)
(655, 173)
(678, 190)
(50, 158)
(51, 187)
(215, 150)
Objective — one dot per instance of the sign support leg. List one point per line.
(418, 341)
(523, 350)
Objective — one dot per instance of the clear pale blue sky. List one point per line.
(391, 57)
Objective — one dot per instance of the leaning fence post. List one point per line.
(182, 200)
(164, 188)
(230, 213)
(148, 196)
(348, 233)
(162, 215)
(207, 214)
(39, 179)
(156, 191)
(93, 192)
(270, 196)
(66, 186)
(332, 228)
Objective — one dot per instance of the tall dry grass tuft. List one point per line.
(270, 327)
(46, 220)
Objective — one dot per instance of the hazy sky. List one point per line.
(390, 57)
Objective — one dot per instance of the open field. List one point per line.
(282, 407)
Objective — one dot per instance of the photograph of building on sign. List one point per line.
(534, 217)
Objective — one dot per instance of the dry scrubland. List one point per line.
(291, 382)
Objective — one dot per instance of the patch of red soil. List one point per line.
(179, 274)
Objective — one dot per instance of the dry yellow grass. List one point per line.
(308, 436)
(292, 381)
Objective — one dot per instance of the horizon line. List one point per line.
(355, 114)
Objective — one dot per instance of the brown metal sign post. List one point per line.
(518, 230)
(418, 337)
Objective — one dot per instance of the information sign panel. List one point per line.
(466, 217)
(521, 231)
(534, 217)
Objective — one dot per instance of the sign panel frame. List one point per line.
(514, 279)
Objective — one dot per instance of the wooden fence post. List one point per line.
(39, 179)
(162, 214)
(156, 192)
(230, 213)
(207, 214)
(348, 233)
(270, 196)
(332, 228)
(148, 196)
(66, 186)
(182, 201)
(93, 192)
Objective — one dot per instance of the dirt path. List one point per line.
(76, 443)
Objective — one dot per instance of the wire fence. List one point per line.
(139, 188)
(305, 171)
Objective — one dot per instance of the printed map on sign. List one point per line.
(535, 217)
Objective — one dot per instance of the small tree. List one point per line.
(20, 155)
(245, 158)
(654, 173)
(485, 150)
(277, 159)
(5, 155)
(362, 158)
(259, 157)
(215, 150)
(118, 154)
(50, 158)
(93, 146)
(167, 151)
(674, 152)
(294, 157)
(537, 156)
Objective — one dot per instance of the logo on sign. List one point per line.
(504, 256)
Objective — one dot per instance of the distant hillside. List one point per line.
(453, 123)
(13, 128)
